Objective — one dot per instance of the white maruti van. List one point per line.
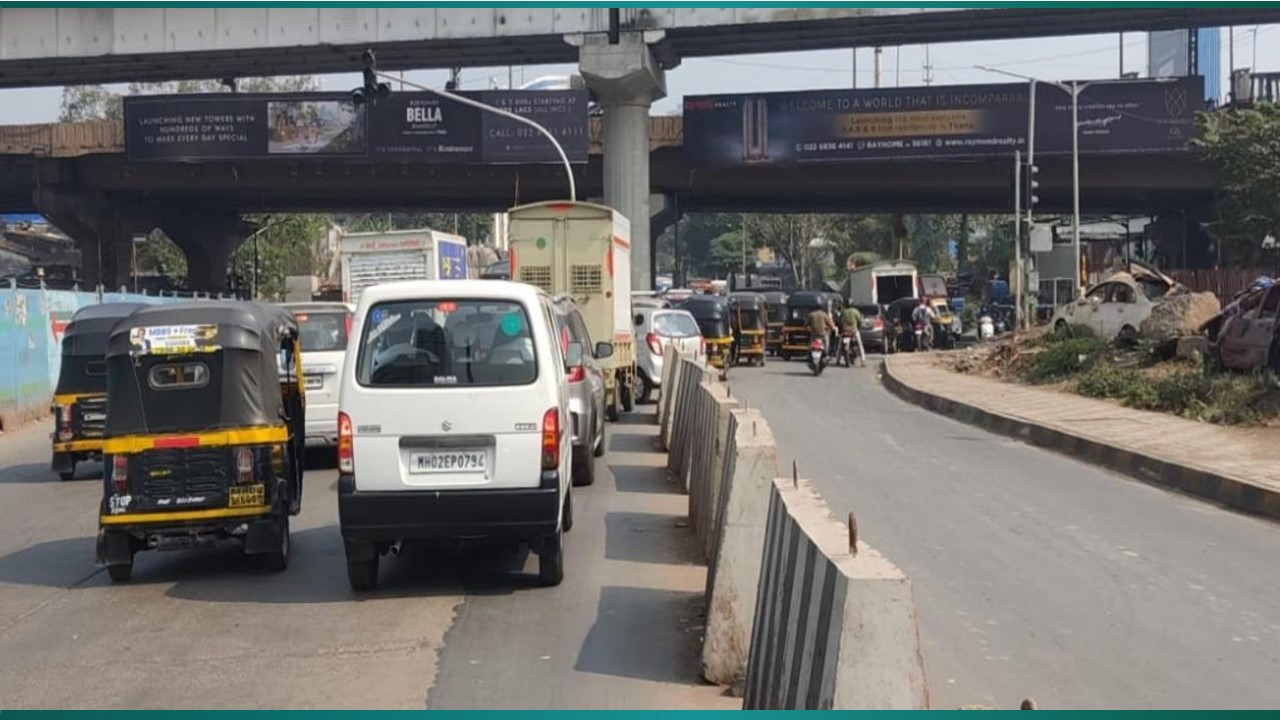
(453, 422)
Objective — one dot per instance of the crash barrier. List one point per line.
(667, 391)
(773, 574)
(835, 623)
(31, 344)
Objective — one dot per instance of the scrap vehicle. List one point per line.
(205, 436)
(80, 398)
(583, 250)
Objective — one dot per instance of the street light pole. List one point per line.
(1076, 89)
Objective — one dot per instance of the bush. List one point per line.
(1071, 332)
(1065, 358)
(1107, 381)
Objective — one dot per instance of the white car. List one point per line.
(323, 329)
(454, 422)
(656, 328)
(1112, 309)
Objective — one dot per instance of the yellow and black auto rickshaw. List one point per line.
(776, 305)
(747, 318)
(80, 399)
(795, 336)
(711, 312)
(206, 433)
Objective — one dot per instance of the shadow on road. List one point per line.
(643, 633)
(34, 474)
(647, 538)
(62, 563)
(631, 442)
(642, 479)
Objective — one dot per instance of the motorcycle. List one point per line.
(986, 328)
(922, 341)
(846, 350)
(817, 356)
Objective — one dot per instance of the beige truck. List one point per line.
(583, 250)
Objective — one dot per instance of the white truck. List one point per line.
(583, 250)
(375, 258)
(883, 282)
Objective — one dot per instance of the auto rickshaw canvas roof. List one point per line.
(241, 325)
(91, 326)
(807, 298)
(705, 306)
(746, 299)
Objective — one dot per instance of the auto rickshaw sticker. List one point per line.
(173, 339)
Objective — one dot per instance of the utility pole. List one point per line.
(855, 68)
(928, 67)
(1121, 55)
(897, 67)
(1015, 281)
(743, 277)
(879, 64)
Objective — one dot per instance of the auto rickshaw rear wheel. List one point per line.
(278, 559)
(120, 573)
(363, 574)
(67, 475)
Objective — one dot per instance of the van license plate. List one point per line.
(448, 461)
(314, 382)
(247, 496)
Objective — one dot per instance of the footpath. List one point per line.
(1237, 467)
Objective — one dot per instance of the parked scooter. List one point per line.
(817, 356)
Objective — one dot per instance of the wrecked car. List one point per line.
(1138, 301)
(1245, 336)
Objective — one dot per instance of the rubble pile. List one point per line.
(1178, 316)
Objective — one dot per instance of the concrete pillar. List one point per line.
(208, 240)
(102, 228)
(626, 79)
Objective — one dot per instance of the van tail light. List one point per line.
(551, 439)
(511, 263)
(346, 447)
(120, 473)
(577, 374)
(65, 431)
(655, 345)
(346, 324)
(244, 466)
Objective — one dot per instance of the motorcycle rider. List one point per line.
(851, 322)
(822, 326)
(925, 315)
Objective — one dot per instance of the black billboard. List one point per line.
(968, 121)
(404, 126)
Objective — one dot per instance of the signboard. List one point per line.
(968, 121)
(451, 259)
(404, 126)
(173, 339)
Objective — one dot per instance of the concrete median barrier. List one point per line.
(667, 389)
(833, 629)
(733, 573)
(684, 406)
(705, 481)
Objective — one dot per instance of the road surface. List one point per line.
(207, 630)
(1036, 575)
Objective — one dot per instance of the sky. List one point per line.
(1082, 57)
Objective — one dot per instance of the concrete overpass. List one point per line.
(78, 175)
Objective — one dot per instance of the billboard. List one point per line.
(969, 121)
(404, 126)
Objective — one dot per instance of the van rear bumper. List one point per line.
(516, 514)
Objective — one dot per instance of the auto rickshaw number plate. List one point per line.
(247, 496)
(450, 461)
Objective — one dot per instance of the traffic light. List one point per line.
(1030, 187)
(371, 89)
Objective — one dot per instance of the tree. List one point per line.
(729, 249)
(1243, 144)
(283, 245)
(158, 254)
(81, 103)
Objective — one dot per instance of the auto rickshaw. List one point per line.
(946, 324)
(80, 399)
(747, 317)
(206, 434)
(711, 312)
(776, 305)
(795, 334)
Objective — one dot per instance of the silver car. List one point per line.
(655, 329)
(586, 390)
(323, 328)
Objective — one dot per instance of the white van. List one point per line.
(453, 422)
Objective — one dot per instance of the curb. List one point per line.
(1228, 491)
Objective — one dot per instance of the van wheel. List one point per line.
(551, 560)
(278, 560)
(597, 450)
(611, 410)
(363, 574)
(584, 467)
(120, 573)
(567, 521)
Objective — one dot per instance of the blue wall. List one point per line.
(31, 327)
(1209, 61)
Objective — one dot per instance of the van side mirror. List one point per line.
(573, 356)
(604, 350)
(639, 320)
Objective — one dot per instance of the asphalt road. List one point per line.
(1036, 575)
(206, 629)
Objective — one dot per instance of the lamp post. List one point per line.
(1074, 89)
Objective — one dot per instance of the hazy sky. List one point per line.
(1079, 57)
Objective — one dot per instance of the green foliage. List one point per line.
(82, 103)
(158, 254)
(1245, 146)
(285, 245)
(1065, 358)
(1070, 332)
(1227, 399)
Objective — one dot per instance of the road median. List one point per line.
(1230, 466)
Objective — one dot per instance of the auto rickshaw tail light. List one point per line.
(655, 345)
(551, 439)
(244, 466)
(65, 431)
(702, 345)
(346, 449)
(120, 473)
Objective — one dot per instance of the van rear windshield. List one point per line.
(446, 343)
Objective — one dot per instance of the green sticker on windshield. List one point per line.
(511, 323)
(542, 243)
